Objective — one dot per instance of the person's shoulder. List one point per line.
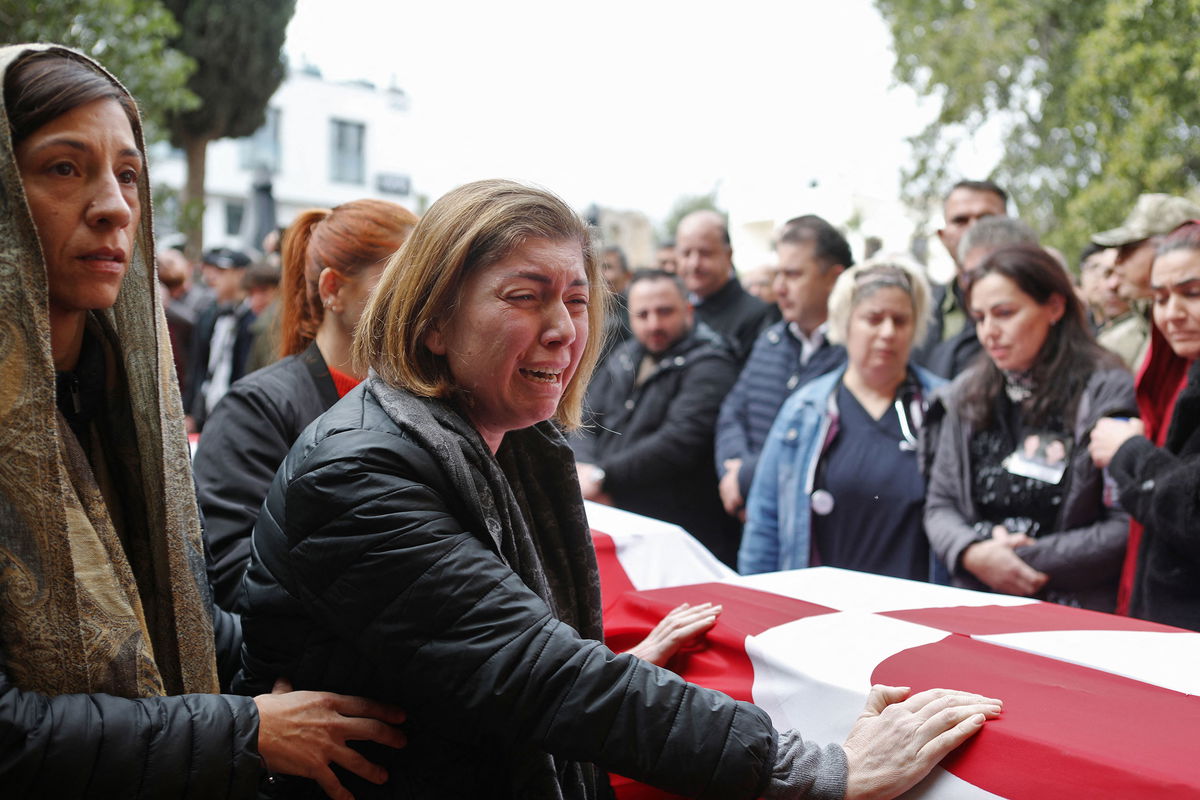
(929, 381)
(705, 343)
(357, 434)
(748, 307)
(1129, 324)
(1110, 375)
(951, 392)
(815, 391)
(808, 403)
(277, 373)
(773, 337)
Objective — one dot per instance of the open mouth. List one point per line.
(543, 376)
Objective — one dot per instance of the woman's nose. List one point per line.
(557, 327)
(1174, 307)
(109, 204)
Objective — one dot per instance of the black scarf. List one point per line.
(524, 502)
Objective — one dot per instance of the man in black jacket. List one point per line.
(649, 447)
(222, 337)
(705, 257)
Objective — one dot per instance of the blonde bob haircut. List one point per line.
(468, 229)
(887, 270)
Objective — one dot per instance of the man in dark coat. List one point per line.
(222, 337)
(649, 446)
(705, 258)
(950, 343)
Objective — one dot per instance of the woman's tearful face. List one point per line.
(517, 335)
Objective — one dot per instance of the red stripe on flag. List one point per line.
(629, 789)
(614, 582)
(1067, 731)
(720, 662)
(987, 620)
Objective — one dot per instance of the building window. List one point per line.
(234, 212)
(346, 162)
(393, 183)
(262, 148)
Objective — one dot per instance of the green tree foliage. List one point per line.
(1097, 100)
(129, 37)
(238, 50)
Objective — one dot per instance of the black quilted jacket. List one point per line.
(100, 747)
(364, 581)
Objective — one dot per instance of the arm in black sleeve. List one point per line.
(244, 443)
(732, 439)
(1160, 490)
(227, 633)
(186, 747)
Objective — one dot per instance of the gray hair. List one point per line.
(886, 270)
(992, 233)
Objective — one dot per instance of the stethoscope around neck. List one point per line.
(910, 411)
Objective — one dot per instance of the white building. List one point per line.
(323, 143)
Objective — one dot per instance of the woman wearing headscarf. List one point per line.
(1014, 503)
(109, 663)
(425, 542)
(838, 483)
(332, 259)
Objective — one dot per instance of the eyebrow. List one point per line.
(1160, 288)
(540, 278)
(75, 144)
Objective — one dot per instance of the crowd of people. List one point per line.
(964, 434)
(384, 521)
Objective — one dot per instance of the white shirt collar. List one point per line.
(809, 344)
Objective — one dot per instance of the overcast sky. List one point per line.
(632, 104)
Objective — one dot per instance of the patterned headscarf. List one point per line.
(93, 598)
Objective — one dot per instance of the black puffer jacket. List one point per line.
(101, 747)
(1161, 489)
(655, 440)
(245, 440)
(365, 581)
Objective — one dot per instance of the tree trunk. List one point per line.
(192, 211)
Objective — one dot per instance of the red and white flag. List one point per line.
(1096, 706)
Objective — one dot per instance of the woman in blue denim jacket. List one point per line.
(838, 482)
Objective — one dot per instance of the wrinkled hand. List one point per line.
(995, 563)
(1109, 434)
(683, 626)
(731, 493)
(897, 741)
(301, 733)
